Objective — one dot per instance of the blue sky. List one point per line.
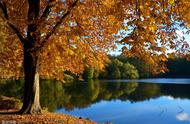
(119, 46)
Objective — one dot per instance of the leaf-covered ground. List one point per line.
(8, 104)
(45, 118)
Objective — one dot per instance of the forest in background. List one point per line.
(121, 67)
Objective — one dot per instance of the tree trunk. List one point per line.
(31, 103)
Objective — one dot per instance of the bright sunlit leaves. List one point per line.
(87, 33)
(171, 1)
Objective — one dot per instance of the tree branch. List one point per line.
(4, 9)
(18, 33)
(47, 10)
(12, 26)
(52, 31)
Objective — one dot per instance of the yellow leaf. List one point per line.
(171, 1)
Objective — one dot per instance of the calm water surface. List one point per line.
(146, 101)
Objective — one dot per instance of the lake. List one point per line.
(145, 101)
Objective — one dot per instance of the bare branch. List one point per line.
(52, 31)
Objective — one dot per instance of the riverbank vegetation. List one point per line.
(121, 67)
(114, 69)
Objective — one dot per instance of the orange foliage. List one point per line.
(73, 34)
(82, 37)
(153, 27)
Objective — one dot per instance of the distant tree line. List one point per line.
(177, 68)
(121, 67)
(114, 69)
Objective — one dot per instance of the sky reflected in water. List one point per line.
(164, 102)
(162, 110)
(156, 80)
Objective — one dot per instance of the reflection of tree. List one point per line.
(52, 94)
(12, 88)
(145, 91)
(176, 90)
(115, 90)
(55, 94)
(79, 95)
(84, 94)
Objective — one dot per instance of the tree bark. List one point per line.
(31, 103)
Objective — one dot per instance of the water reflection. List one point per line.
(55, 94)
(183, 116)
(113, 101)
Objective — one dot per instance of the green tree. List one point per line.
(116, 74)
(129, 71)
(116, 69)
(96, 73)
(143, 68)
(88, 73)
(113, 69)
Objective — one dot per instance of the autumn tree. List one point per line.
(58, 35)
(152, 28)
(47, 37)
